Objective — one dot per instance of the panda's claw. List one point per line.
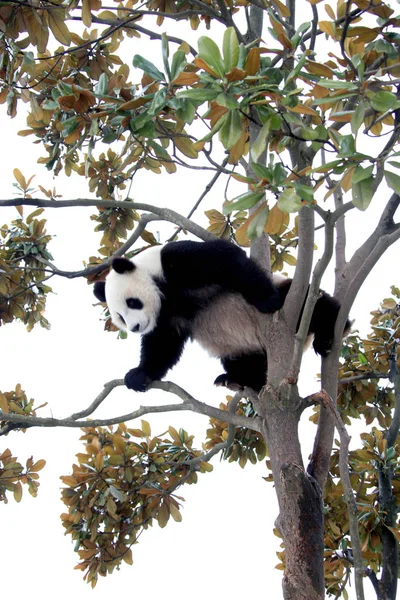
(224, 380)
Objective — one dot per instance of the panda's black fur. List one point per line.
(207, 291)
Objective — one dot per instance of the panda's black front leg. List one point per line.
(161, 349)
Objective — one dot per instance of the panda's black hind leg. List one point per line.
(244, 370)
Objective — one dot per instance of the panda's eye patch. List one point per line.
(134, 303)
(122, 318)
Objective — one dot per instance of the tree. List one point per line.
(262, 107)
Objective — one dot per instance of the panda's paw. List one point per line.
(322, 346)
(137, 380)
(269, 304)
(224, 380)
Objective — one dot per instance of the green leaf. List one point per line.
(331, 99)
(158, 102)
(261, 171)
(360, 173)
(242, 202)
(227, 100)
(347, 146)
(230, 49)
(117, 493)
(148, 67)
(137, 122)
(337, 85)
(209, 52)
(362, 193)
(186, 112)
(199, 94)
(231, 130)
(305, 192)
(178, 63)
(393, 181)
(101, 88)
(289, 201)
(215, 129)
(257, 224)
(358, 117)
(383, 101)
(280, 174)
(165, 54)
(260, 143)
(294, 73)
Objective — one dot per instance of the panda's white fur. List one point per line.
(137, 284)
(229, 326)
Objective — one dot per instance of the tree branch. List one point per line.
(165, 214)
(229, 440)
(312, 297)
(188, 403)
(324, 398)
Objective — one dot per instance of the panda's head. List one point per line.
(132, 296)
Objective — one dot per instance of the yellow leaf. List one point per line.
(99, 462)
(285, 12)
(18, 492)
(319, 69)
(38, 466)
(42, 34)
(328, 28)
(201, 64)
(236, 75)
(347, 179)
(276, 220)
(289, 259)
(185, 145)
(119, 443)
(163, 515)
(146, 428)
(127, 557)
(4, 404)
(86, 13)
(304, 110)
(175, 513)
(70, 481)
(58, 27)
(205, 466)
(186, 79)
(252, 61)
(330, 12)
(389, 303)
(20, 178)
(174, 434)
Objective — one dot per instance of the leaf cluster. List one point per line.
(13, 476)
(247, 445)
(124, 480)
(23, 288)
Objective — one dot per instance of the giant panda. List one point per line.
(206, 291)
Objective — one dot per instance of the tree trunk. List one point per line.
(300, 521)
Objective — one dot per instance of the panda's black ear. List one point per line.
(99, 290)
(122, 265)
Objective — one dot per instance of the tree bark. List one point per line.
(300, 521)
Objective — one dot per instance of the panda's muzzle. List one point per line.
(140, 328)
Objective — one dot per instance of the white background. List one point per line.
(224, 546)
